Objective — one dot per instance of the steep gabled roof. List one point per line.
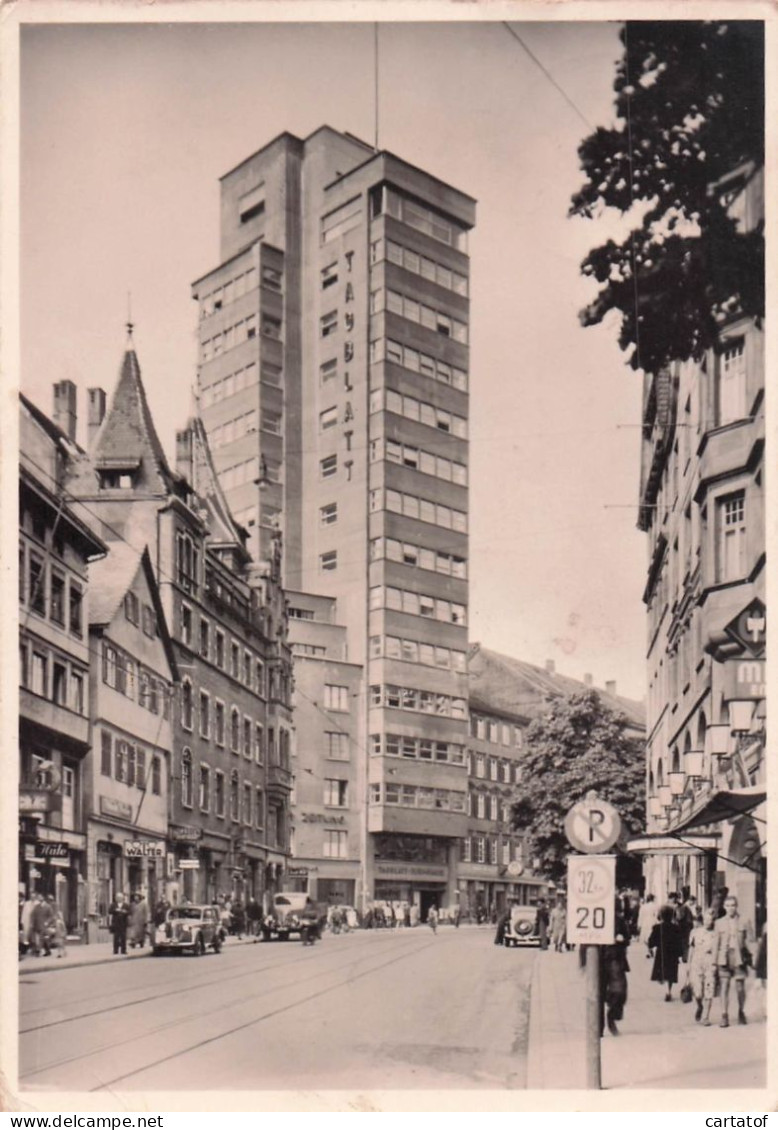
(223, 529)
(127, 437)
(110, 580)
(501, 683)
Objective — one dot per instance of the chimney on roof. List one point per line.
(95, 413)
(588, 680)
(610, 686)
(65, 408)
(550, 667)
(184, 448)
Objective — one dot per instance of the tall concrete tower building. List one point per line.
(333, 385)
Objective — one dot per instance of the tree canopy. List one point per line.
(690, 111)
(578, 745)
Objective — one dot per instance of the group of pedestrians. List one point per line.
(714, 945)
(41, 926)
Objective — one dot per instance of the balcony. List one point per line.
(417, 821)
(727, 451)
(56, 719)
(279, 777)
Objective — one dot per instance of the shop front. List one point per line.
(53, 863)
(418, 885)
(122, 859)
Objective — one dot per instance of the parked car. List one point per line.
(520, 928)
(192, 928)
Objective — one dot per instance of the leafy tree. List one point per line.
(578, 745)
(690, 111)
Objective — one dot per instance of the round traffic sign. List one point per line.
(592, 825)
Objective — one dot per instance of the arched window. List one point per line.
(186, 704)
(234, 795)
(702, 726)
(186, 778)
(676, 763)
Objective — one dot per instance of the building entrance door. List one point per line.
(430, 898)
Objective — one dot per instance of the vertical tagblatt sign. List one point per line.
(591, 900)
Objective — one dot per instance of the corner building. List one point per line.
(333, 381)
(702, 507)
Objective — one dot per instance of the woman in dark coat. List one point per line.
(666, 944)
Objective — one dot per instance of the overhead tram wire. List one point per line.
(548, 75)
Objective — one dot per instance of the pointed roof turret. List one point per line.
(127, 441)
(223, 528)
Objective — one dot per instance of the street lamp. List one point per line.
(717, 739)
(693, 761)
(677, 781)
(740, 715)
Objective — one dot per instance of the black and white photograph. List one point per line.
(387, 392)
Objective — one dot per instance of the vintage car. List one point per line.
(286, 915)
(191, 928)
(520, 927)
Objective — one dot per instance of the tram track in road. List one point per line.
(351, 960)
(252, 971)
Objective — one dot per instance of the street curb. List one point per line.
(30, 965)
(535, 1032)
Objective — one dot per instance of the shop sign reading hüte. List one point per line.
(52, 849)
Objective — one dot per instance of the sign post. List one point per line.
(592, 826)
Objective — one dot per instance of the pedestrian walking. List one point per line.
(541, 924)
(718, 901)
(614, 968)
(685, 916)
(703, 975)
(432, 918)
(118, 920)
(42, 921)
(25, 926)
(760, 960)
(138, 922)
(558, 924)
(732, 957)
(253, 916)
(664, 943)
(647, 916)
(238, 918)
(502, 926)
(59, 933)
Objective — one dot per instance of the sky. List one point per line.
(124, 132)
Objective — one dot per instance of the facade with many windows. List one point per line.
(56, 547)
(133, 677)
(702, 507)
(328, 800)
(229, 770)
(356, 345)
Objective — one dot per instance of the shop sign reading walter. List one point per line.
(138, 849)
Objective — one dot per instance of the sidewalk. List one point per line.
(99, 953)
(660, 1045)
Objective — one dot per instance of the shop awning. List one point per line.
(721, 805)
(664, 843)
